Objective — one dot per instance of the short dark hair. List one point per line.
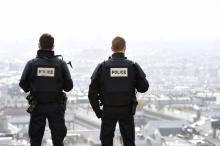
(118, 43)
(46, 41)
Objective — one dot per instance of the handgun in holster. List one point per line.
(134, 106)
(100, 100)
(32, 103)
(64, 101)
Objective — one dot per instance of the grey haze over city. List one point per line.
(176, 43)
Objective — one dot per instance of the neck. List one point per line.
(118, 51)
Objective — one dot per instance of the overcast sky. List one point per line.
(101, 20)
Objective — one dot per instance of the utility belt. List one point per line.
(47, 97)
(133, 105)
(34, 100)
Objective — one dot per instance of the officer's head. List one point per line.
(118, 45)
(46, 42)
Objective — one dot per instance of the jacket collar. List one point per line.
(118, 55)
(45, 53)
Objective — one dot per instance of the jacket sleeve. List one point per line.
(25, 78)
(68, 82)
(142, 84)
(94, 91)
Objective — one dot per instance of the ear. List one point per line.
(52, 47)
(124, 48)
(39, 46)
(112, 49)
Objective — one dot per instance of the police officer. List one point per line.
(114, 84)
(46, 76)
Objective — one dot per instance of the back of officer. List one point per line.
(46, 77)
(114, 84)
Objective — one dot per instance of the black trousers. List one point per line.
(122, 115)
(55, 115)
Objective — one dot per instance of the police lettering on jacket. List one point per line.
(119, 72)
(45, 72)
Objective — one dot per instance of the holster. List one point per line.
(134, 106)
(32, 103)
(63, 101)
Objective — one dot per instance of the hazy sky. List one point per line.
(94, 20)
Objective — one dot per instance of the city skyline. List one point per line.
(176, 42)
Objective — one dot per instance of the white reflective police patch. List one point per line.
(119, 72)
(45, 72)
